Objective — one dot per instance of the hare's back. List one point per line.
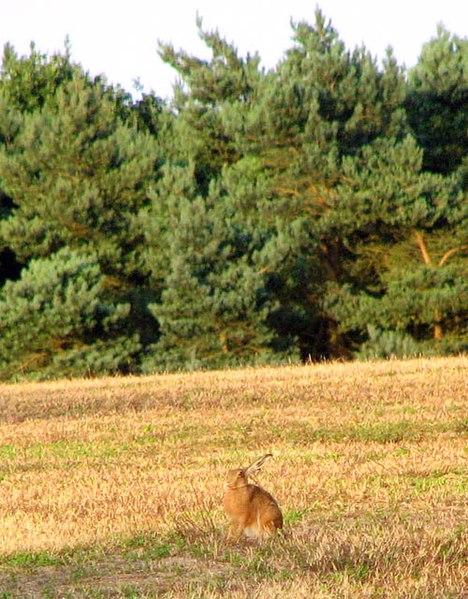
(267, 507)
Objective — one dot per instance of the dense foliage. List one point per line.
(316, 210)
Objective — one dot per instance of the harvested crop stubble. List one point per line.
(369, 468)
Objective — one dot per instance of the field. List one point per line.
(113, 487)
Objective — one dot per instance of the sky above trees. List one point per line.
(120, 40)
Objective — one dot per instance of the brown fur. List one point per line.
(251, 509)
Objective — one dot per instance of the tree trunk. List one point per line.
(438, 330)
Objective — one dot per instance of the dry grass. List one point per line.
(112, 487)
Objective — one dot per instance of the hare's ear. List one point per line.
(255, 467)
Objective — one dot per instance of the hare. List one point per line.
(251, 509)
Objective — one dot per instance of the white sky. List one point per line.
(119, 38)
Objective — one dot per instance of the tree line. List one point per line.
(316, 210)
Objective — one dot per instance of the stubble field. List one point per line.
(113, 487)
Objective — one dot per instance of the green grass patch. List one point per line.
(26, 559)
(294, 516)
(383, 432)
(387, 432)
(7, 451)
(453, 481)
(148, 547)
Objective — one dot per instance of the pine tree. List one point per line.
(57, 320)
(28, 81)
(296, 124)
(206, 91)
(76, 176)
(437, 101)
(406, 233)
(212, 257)
(321, 105)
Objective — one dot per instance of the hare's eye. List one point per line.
(239, 473)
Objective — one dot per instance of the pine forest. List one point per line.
(314, 211)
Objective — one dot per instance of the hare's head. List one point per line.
(239, 477)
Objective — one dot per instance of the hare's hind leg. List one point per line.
(235, 532)
(268, 530)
